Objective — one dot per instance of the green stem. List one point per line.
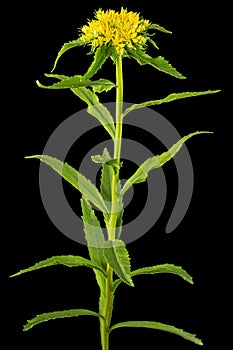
(117, 147)
(108, 295)
(119, 102)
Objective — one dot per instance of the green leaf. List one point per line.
(77, 81)
(96, 109)
(57, 76)
(120, 212)
(159, 62)
(152, 270)
(164, 66)
(76, 179)
(66, 260)
(94, 235)
(164, 268)
(156, 162)
(161, 327)
(102, 85)
(66, 47)
(95, 241)
(107, 173)
(169, 98)
(105, 157)
(101, 55)
(98, 159)
(159, 28)
(153, 43)
(58, 314)
(118, 258)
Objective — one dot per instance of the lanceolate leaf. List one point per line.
(58, 314)
(94, 235)
(152, 270)
(101, 55)
(156, 162)
(78, 81)
(120, 213)
(101, 85)
(76, 179)
(164, 268)
(153, 43)
(159, 62)
(159, 28)
(107, 174)
(66, 260)
(164, 66)
(118, 258)
(161, 327)
(66, 47)
(96, 109)
(95, 241)
(169, 98)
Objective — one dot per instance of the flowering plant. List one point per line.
(114, 35)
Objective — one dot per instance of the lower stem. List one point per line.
(107, 312)
(108, 293)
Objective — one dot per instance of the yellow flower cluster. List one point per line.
(121, 29)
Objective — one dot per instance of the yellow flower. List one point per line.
(120, 29)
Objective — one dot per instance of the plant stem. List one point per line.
(117, 147)
(119, 102)
(108, 295)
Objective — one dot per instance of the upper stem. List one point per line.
(119, 102)
(117, 147)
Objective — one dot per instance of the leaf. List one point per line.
(96, 109)
(105, 157)
(76, 179)
(101, 55)
(66, 47)
(107, 173)
(94, 235)
(102, 85)
(66, 260)
(164, 66)
(153, 43)
(159, 28)
(156, 162)
(57, 76)
(164, 268)
(169, 98)
(159, 326)
(120, 212)
(118, 258)
(159, 62)
(95, 241)
(77, 81)
(152, 270)
(58, 314)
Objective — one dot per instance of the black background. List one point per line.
(197, 48)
